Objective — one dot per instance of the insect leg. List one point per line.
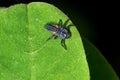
(63, 44)
(50, 37)
(60, 22)
(55, 37)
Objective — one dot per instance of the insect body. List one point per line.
(59, 30)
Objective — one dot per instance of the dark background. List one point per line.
(95, 20)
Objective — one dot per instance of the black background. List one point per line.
(100, 21)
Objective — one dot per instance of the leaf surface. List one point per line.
(26, 55)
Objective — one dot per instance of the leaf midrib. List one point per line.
(31, 52)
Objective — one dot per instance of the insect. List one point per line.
(60, 30)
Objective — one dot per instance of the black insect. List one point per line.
(59, 30)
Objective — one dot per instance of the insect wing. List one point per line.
(51, 28)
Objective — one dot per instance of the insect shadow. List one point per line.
(61, 30)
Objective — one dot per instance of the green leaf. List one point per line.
(24, 52)
(100, 69)
(2, 8)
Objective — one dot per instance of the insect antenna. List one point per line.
(64, 25)
(69, 26)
